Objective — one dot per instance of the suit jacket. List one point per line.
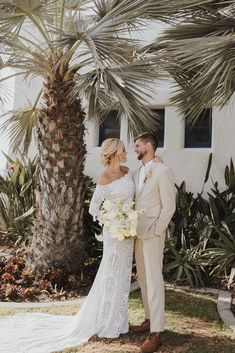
(157, 199)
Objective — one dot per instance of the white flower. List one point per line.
(133, 232)
(133, 216)
(148, 174)
(118, 218)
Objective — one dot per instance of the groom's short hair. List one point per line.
(148, 137)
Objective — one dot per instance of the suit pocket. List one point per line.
(158, 234)
(145, 228)
(152, 213)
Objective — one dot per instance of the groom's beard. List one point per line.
(140, 156)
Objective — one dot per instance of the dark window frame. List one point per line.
(204, 123)
(105, 125)
(161, 131)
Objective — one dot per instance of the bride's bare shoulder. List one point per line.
(106, 177)
(124, 169)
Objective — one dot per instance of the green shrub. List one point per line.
(222, 256)
(183, 261)
(221, 252)
(203, 242)
(185, 265)
(17, 198)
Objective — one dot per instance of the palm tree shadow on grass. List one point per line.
(197, 343)
(173, 342)
(191, 306)
(185, 304)
(181, 309)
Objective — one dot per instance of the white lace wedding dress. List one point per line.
(104, 311)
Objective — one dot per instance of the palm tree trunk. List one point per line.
(57, 237)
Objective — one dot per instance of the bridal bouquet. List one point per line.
(118, 218)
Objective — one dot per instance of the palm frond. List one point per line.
(3, 98)
(126, 88)
(4, 89)
(14, 13)
(19, 127)
(211, 24)
(103, 7)
(107, 39)
(200, 56)
(127, 11)
(96, 48)
(31, 58)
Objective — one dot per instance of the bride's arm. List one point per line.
(96, 201)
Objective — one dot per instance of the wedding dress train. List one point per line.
(104, 311)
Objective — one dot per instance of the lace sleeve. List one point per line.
(96, 200)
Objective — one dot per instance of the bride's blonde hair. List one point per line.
(111, 148)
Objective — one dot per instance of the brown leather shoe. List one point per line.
(152, 343)
(145, 326)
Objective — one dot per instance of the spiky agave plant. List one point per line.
(82, 48)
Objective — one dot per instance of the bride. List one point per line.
(104, 311)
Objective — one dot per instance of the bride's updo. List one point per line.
(111, 148)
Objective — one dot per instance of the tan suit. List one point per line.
(157, 199)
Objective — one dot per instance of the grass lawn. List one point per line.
(192, 326)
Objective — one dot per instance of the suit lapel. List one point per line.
(144, 183)
(137, 180)
(151, 169)
(139, 192)
(142, 187)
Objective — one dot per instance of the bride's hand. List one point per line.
(158, 159)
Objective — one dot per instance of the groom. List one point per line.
(155, 194)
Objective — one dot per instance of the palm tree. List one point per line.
(4, 93)
(200, 47)
(86, 53)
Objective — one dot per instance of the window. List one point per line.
(160, 132)
(199, 135)
(110, 127)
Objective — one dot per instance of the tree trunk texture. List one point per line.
(57, 237)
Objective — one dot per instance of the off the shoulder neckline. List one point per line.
(112, 182)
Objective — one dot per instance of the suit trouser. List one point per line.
(149, 263)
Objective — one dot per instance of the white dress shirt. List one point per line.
(142, 172)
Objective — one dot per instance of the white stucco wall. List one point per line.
(188, 164)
